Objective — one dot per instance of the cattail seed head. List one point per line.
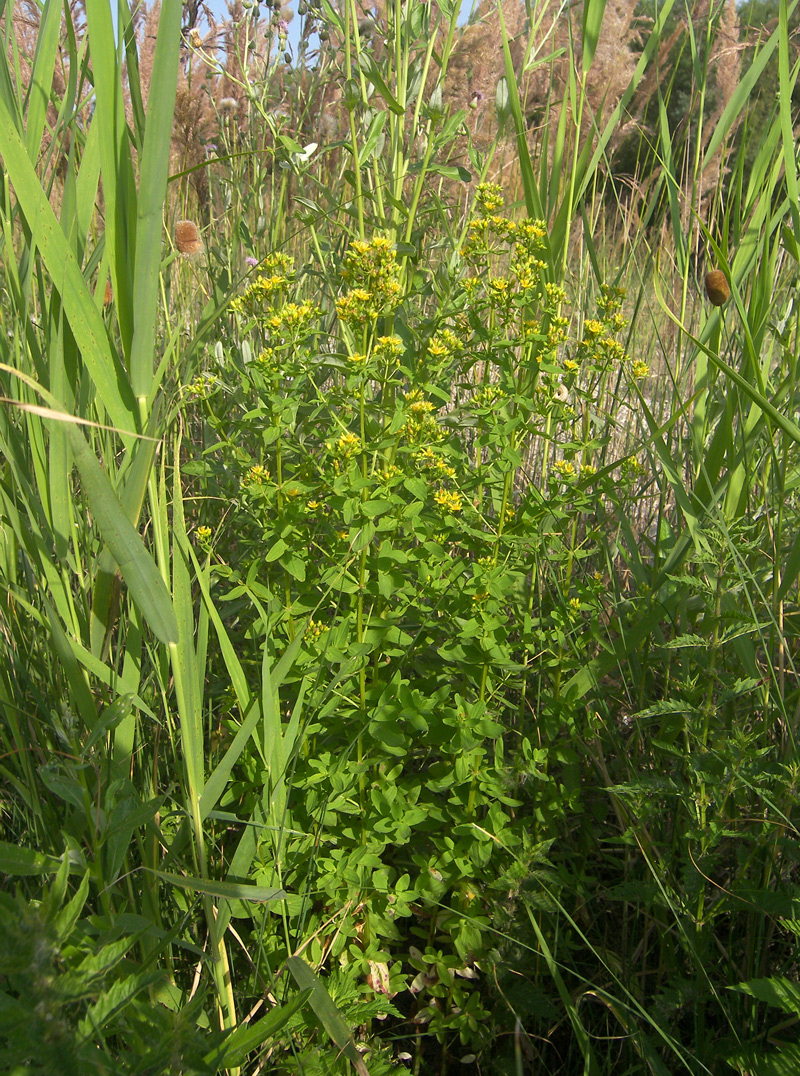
(187, 238)
(717, 288)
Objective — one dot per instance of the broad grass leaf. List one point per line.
(138, 568)
(249, 1037)
(780, 992)
(20, 862)
(260, 894)
(326, 1011)
(53, 247)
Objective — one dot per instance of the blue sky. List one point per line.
(219, 10)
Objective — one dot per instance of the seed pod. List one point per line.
(717, 288)
(187, 238)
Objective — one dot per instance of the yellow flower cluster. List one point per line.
(555, 294)
(518, 244)
(348, 445)
(557, 333)
(443, 344)
(487, 395)
(531, 235)
(371, 270)
(389, 347)
(420, 427)
(388, 474)
(489, 197)
(259, 294)
(423, 430)
(598, 345)
(631, 469)
(610, 302)
(449, 500)
(314, 630)
(257, 476)
(427, 459)
(293, 318)
(417, 405)
(499, 288)
(593, 328)
(203, 386)
(356, 307)
(526, 267)
(268, 358)
(565, 469)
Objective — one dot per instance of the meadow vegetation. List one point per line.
(399, 545)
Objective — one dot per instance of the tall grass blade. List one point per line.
(327, 1012)
(41, 79)
(87, 326)
(591, 24)
(152, 192)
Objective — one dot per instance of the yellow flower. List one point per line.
(348, 444)
(565, 468)
(449, 501)
(257, 475)
(489, 197)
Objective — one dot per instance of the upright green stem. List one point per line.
(348, 66)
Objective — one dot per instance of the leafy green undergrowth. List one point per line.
(416, 476)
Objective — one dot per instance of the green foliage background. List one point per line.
(399, 552)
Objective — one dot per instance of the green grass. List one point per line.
(398, 633)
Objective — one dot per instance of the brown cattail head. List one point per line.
(717, 288)
(187, 238)
(109, 294)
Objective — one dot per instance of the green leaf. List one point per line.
(18, 861)
(780, 992)
(215, 785)
(152, 193)
(41, 77)
(113, 714)
(260, 894)
(593, 11)
(139, 571)
(373, 73)
(327, 1013)
(249, 1037)
(87, 326)
(276, 550)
